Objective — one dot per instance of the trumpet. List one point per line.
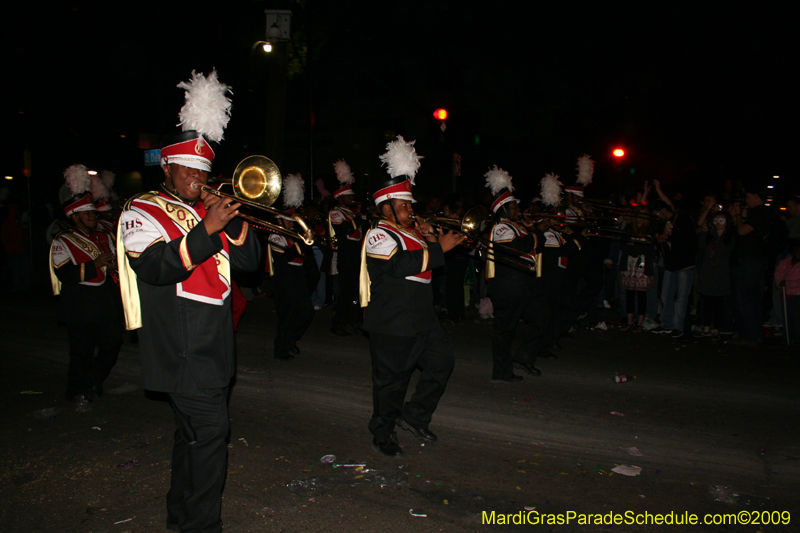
(257, 184)
(471, 225)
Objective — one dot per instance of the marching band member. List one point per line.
(511, 288)
(404, 332)
(345, 229)
(81, 261)
(295, 274)
(585, 268)
(558, 247)
(176, 248)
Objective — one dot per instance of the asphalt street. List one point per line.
(713, 426)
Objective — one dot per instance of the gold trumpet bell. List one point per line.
(257, 179)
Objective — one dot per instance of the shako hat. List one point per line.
(101, 190)
(293, 194)
(203, 117)
(345, 177)
(499, 182)
(584, 176)
(402, 163)
(74, 195)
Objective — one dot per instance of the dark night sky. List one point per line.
(697, 95)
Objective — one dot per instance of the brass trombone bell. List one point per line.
(257, 178)
(257, 184)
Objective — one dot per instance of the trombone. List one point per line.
(599, 205)
(257, 184)
(472, 225)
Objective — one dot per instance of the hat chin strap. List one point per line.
(174, 192)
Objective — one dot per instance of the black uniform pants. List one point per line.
(199, 460)
(513, 301)
(394, 359)
(85, 369)
(294, 309)
(349, 266)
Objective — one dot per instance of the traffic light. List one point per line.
(441, 115)
(618, 152)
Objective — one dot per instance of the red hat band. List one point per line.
(503, 199)
(347, 189)
(103, 204)
(400, 191)
(192, 153)
(84, 203)
(577, 190)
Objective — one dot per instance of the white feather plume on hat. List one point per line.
(77, 178)
(98, 189)
(207, 109)
(585, 170)
(498, 179)
(293, 191)
(343, 172)
(551, 190)
(401, 159)
(108, 178)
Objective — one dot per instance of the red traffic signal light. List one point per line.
(618, 152)
(440, 114)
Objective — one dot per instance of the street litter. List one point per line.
(420, 514)
(123, 521)
(530, 508)
(633, 450)
(327, 459)
(96, 428)
(47, 414)
(627, 470)
(622, 378)
(133, 463)
(721, 493)
(354, 465)
(244, 441)
(322, 484)
(83, 405)
(617, 413)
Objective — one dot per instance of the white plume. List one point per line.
(97, 188)
(498, 179)
(585, 170)
(207, 110)
(401, 159)
(77, 178)
(108, 177)
(293, 191)
(551, 190)
(343, 173)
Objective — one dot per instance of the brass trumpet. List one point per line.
(257, 184)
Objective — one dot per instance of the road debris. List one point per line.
(627, 470)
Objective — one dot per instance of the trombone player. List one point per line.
(404, 333)
(510, 287)
(176, 248)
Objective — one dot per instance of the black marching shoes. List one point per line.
(390, 447)
(529, 368)
(421, 433)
